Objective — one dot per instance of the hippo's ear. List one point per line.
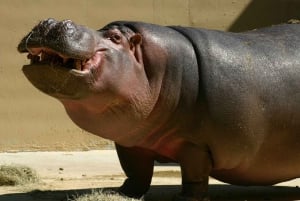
(136, 39)
(135, 46)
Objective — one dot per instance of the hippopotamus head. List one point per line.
(99, 71)
(69, 60)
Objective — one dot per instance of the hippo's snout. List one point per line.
(63, 37)
(46, 33)
(62, 57)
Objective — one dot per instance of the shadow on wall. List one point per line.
(261, 13)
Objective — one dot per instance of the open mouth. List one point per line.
(38, 56)
(63, 58)
(58, 75)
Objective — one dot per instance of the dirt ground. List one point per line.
(67, 174)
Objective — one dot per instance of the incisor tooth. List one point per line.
(78, 64)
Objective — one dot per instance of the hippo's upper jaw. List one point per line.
(62, 57)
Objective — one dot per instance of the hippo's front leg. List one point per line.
(196, 164)
(138, 165)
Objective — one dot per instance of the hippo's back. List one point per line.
(256, 68)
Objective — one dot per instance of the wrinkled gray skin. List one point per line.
(220, 104)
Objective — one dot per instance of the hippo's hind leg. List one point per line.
(195, 162)
(138, 165)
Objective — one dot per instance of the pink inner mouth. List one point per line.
(48, 56)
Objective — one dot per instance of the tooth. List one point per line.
(33, 58)
(43, 56)
(78, 64)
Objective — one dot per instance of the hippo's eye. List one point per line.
(116, 38)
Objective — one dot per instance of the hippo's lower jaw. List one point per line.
(61, 76)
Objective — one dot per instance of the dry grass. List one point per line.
(105, 196)
(101, 196)
(12, 175)
(294, 21)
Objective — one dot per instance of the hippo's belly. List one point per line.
(274, 160)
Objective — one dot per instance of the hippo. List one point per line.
(220, 104)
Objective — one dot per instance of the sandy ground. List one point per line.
(65, 174)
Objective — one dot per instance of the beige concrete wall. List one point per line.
(30, 120)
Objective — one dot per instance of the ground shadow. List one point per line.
(166, 193)
(261, 13)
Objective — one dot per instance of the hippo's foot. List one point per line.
(130, 189)
(183, 198)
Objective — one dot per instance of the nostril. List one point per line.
(67, 22)
(45, 25)
(50, 21)
(68, 26)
